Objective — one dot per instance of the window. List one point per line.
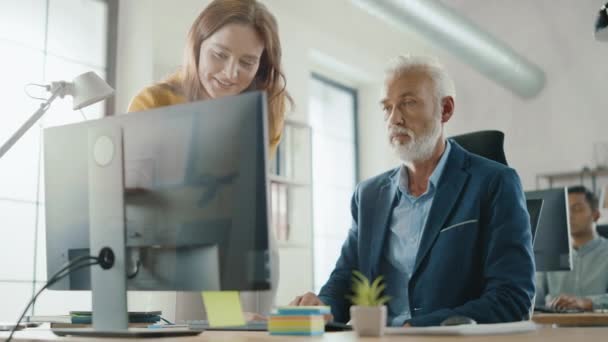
(333, 110)
(41, 41)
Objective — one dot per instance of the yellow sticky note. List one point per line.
(223, 308)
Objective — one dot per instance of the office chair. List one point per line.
(602, 230)
(488, 144)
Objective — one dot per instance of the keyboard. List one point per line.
(548, 309)
(250, 326)
(257, 326)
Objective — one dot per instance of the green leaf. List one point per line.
(366, 294)
(378, 291)
(377, 288)
(377, 281)
(383, 300)
(360, 278)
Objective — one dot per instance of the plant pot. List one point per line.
(368, 320)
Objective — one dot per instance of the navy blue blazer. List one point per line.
(475, 257)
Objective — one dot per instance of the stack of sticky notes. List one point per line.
(298, 320)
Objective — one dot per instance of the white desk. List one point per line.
(576, 319)
(545, 333)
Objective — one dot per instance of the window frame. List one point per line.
(354, 95)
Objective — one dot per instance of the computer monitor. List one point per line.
(552, 244)
(186, 185)
(535, 207)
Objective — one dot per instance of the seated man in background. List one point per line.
(586, 286)
(447, 229)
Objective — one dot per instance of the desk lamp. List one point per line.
(85, 90)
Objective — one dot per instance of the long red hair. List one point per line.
(269, 76)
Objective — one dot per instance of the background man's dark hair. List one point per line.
(589, 196)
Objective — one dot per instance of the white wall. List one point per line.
(554, 131)
(134, 67)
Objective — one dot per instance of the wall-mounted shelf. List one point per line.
(573, 177)
(287, 181)
(291, 187)
(290, 181)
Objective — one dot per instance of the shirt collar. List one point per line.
(435, 176)
(589, 246)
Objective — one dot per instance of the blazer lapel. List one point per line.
(385, 203)
(452, 182)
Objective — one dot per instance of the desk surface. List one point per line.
(544, 333)
(575, 319)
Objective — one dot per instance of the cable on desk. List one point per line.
(72, 266)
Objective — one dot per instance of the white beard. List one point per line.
(419, 147)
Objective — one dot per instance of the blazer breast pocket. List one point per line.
(460, 225)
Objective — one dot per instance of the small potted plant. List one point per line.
(368, 312)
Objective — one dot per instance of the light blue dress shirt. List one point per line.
(406, 227)
(588, 278)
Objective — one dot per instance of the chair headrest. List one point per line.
(488, 144)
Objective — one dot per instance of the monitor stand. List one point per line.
(107, 230)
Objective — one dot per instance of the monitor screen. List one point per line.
(195, 196)
(552, 245)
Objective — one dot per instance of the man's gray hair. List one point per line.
(444, 85)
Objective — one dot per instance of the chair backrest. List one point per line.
(488, 144)
(602, 230)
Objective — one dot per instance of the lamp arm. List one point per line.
(58, 91)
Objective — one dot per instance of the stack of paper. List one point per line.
(298, 320)
(467, 329)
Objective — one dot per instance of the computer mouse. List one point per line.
(337, 326)
(457, 320)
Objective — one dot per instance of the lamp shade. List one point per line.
(601, 24)
(89, 88)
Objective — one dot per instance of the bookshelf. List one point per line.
(595, 179)
(291, 186)
(291, 206)
(586, 176)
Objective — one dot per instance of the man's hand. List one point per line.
(310, 299)
(563, 302)
(254, 316)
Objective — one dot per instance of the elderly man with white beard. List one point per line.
(447, 229)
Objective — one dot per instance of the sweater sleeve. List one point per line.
(146, 99)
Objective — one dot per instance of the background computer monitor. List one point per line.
(535, 207)
(552, 245)
(196, 200)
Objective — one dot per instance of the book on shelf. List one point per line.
(274, 208)
(283, 224)
(282, 163)
(278, 210)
